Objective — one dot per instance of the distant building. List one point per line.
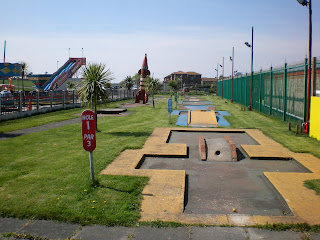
(208, 81)
(188, 78)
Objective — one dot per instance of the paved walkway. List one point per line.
(48, 126)
(55, 230)
(44, 127)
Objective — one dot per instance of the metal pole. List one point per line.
(250, 107)
(222, 67)
(63, 98)
(38, 106)
(309, 68)
(51, 99)
(271, 91)
(91, 167)
(232, 75)
(4, 51)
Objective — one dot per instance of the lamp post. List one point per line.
(217, 69)
(251, 46)
(308, 4)
(232, 59)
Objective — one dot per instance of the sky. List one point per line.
(176, 35)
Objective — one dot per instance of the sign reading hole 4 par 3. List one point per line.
(170, 105)
(88, 130)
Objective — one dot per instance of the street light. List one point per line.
(232, 59)
(308, 4)
(251, 46)
(217, 69)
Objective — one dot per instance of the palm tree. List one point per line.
(152, 85)
(128, 82)
(94, 85)
(24, 72)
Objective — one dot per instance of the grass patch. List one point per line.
(41, 119)
(313, 184)
(38, 120)
(46, 175)
(299, 227)
(269, 125)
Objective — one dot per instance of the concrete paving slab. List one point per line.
(155, 203)
(209, 233)
(50, 229)
(315, 236)
(143, 233)
(11, 224)
(255, 234)
(103, 233)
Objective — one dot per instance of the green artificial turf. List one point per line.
(313, 184)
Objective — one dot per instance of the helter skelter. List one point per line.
(143, 72)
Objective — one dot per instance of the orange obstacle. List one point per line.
(30, 105)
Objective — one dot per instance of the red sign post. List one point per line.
(89, 136)
(88, 130)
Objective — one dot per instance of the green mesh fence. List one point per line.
(280, 92)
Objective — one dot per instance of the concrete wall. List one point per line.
(315, 118)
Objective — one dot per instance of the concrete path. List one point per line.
(55, 230)
(44, 127)
(48, 126)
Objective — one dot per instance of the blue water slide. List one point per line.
(65, 68)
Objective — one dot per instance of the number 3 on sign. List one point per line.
(88, 130)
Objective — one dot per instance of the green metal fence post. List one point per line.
(285, 93)
(271, 91)
(305, 89)
(245, 93)
(260, 89)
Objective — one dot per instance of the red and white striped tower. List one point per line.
(144, 72)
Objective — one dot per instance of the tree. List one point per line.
(94, 85)
(70, 85)
(173, 86)
(152, 85)
(136, 79)
(24, 72)
(128, 83)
